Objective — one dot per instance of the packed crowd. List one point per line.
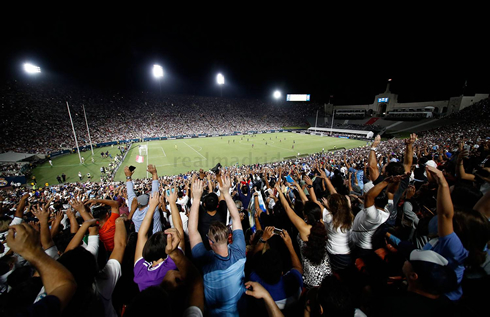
(41, 109)
(394, 228)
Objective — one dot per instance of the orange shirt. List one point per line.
(106, 233)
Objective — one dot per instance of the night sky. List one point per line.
(350, 60)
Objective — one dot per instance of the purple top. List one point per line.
(145, 275)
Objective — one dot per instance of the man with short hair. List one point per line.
(222, 266)
(212, 210)
(143, 199)
(429, 277)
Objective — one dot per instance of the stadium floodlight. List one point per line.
(277, 94)
(157, 71)
(221, 79)
(31, 69)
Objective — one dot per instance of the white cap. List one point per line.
(428, 256)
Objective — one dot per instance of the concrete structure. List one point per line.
(387, 102)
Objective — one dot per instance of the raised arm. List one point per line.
(79, 206)
(154, 176)
(445, 209)
(408, 159)
(374, 192)
(256, 290)
(129, 185)
(460, 172)
(235, 216)
(78, 237)
(57, 280)
(120, 239)
(373, 163)
(108, 202)
(194, 235)
(42, 213)
(145, 226)
(295, 262)
(176, 220)
(19, 211)
(188, 272)
(297, 221)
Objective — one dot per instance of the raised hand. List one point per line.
(151, 169)
(24, 240)
(173, 240)
(411, 139)
(435, 174)
(154, 199)
(197, 189)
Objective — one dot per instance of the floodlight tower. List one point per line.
(221, 81)
(158, 74)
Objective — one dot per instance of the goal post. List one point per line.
(143, 149)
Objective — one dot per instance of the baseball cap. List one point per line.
(143, 200)
(428, 256)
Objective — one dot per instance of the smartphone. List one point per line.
(168, 191)
(277, 231)
(132, 168)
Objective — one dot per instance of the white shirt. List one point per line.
(366, 223)
(337, 241)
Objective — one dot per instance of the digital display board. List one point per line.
(298, 97)
(385, 99)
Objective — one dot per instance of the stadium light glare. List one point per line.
(31, 69)
(157, 71)
(221, 79)
(277, 94)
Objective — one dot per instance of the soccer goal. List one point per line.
(143, 149)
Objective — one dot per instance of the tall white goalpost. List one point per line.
(143, 150)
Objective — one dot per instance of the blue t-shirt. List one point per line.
(286, 291)
(224, 277)
(452, 249)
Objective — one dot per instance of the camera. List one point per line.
(216, 168)
(132, 168)
(277, 231)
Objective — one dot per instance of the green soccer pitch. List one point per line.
(172, 157)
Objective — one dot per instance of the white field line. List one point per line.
(195, 150)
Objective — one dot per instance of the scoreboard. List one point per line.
(298, 97)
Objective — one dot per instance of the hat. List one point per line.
(143, 200)
(428, 256)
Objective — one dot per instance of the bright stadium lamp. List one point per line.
(277, 94)
(157, 71)
(221, 81)
(31, 69)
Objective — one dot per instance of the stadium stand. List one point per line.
(357, 227)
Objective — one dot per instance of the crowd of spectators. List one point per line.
(398, 227)
(35, 117)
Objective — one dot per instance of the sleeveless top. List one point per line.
(313, 274)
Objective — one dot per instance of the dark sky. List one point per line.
(349, 59)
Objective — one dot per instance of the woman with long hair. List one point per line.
(312, 239)
(338, 219)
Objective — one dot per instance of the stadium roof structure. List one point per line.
(15, 157)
